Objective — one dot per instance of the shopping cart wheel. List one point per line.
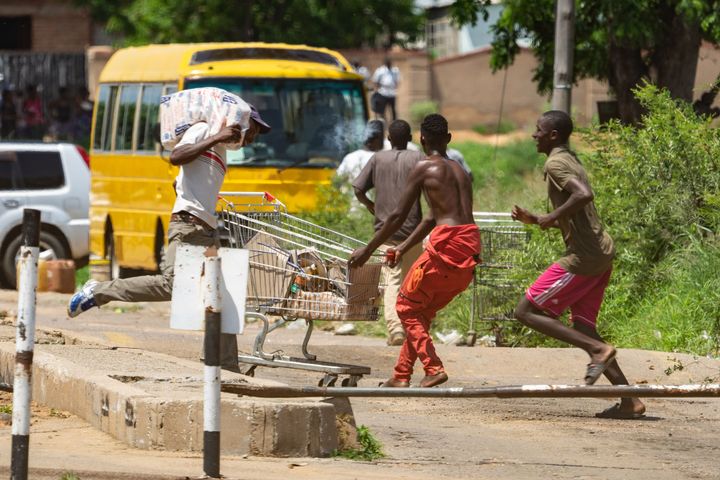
(328, 380)
(250, 372)
(351, 381)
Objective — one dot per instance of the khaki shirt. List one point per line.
(387, 172)
(590, 250)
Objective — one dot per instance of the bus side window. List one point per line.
(107, 96)
(149, 118)
(126, 117)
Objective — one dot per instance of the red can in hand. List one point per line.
(390, 257)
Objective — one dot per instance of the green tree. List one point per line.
(326, 23)
(622, 42)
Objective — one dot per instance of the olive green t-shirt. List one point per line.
(590, 250)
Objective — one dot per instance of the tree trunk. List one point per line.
(676, 58)
(626, 71)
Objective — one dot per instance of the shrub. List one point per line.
(420, 110)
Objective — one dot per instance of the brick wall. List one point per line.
(58, 26)
(414, 69)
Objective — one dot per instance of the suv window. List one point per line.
(40, 170)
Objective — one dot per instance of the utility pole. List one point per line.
(564, 49)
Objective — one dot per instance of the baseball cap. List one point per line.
(255, 115)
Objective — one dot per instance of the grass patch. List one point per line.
(679, 313)
(510, 175)
(371, 448)
(69, 476)
(82, 275)
(505, 126)
(6, 408)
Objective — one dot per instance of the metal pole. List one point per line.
(24, 344)
(211, 405)
(564, 49)
(507, 391)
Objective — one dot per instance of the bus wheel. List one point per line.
(116, 271)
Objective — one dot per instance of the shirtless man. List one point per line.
(445, 268)
(577, 280)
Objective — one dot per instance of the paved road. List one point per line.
(424, 438)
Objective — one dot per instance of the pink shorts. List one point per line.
(556, 290)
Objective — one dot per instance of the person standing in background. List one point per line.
(386, 79)
(62, 113)
(8, 115)
(32, 112)
(353, 163)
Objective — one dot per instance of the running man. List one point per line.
(577, 280)
(202, 158)
(446, 267)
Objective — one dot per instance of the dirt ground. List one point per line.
(422, 438)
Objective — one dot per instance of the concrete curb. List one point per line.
(147, 418)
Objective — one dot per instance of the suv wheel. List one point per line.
(51, 248)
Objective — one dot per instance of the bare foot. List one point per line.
(633, 405)
(394, 383)
(627, 409)
(433, 380)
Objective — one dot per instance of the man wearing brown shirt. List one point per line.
(387, 173)
(577, 280)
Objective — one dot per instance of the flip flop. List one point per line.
(594, 370)
(616, 413)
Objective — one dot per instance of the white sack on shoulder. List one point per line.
(185, 108)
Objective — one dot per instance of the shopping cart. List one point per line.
(494, 293)
(298, 270)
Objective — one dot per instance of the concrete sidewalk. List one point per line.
(153, 400)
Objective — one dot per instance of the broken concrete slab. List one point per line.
(152, 400)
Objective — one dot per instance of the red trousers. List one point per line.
(428, 287)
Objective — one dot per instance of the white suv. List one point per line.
(55, 179)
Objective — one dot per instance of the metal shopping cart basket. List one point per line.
(494, 292)
(298, 270)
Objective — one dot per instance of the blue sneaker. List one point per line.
(82, 300)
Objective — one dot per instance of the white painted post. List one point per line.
(24, 344)
(564, 52)
(212, 302)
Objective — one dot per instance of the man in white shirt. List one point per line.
(458, 157)
(386, 79)
(203, 164)
(353, 163)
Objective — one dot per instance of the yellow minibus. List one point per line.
(311, 97)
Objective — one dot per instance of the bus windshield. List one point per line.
(315, 123)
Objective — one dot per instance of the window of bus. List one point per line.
(149, 118)
(107, 96)
(315, 123)
(126, 117)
